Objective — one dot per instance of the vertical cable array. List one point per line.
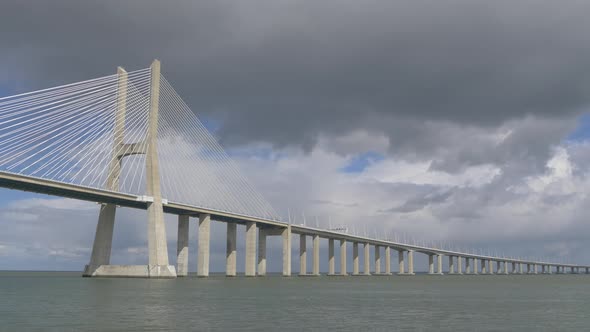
(65, 133)
(195, 169)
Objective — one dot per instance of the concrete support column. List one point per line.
(439, 264)
(302, 255)
(505, 267)
(514, 268)
(475, 266)
(316, 255)
(343, 258)
(387, 260)
(182, 247)
(491, 266)
(528, 268)
(203, 245)
(459, 265)
(103, 239)
(498, 266)
(331, 263)
(467, 265)
(400, 259)
(430, 264)
(520, 268)
(250, 249)
(535, 269)
(286, 235)
(587, 270)
(367, 260)
(377, 260)
(157, 243)
(261, 252)
(483, 266)
(355, 258)
(451, 265)
(230, 250)
(411, 262)
(549, 269)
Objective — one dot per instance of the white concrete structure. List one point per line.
(204, 243)
(316, 255)
(261, 252)
(302, 255)
(355, 258)
(400, 260)
(250, 249)
(182, 246)
(343, 258)
(387, 261)
(230, 249)
(377, 260)
(331, 263)
(286, 236)
(367, 260)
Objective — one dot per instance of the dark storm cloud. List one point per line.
(289, 72)
(417, 203)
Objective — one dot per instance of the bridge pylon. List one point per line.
(158, 266)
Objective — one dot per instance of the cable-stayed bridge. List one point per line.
(129, 140)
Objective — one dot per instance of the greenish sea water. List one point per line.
(63, 301)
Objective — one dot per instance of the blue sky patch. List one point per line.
(360, 162)
(582, 132)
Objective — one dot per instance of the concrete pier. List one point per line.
(261, 252)
(439, 264)
(431, 264)
(331, 263)
(250, 249)
(467, 265)
(491, 267)
(316, 255)
(411, 262)
(514, 271)
(520, 268)
(498, 266)
(286, 235)
(343, 258)
(475, 266)
(377, 260)
(506, 267)
(451, 265)
(483, 266)
(302, 255)
(203, 245)
(355, 258)
(535, 269)
(387, 260)
(230, 249)
(400, 260)
(182, 246)
(367, 260)
(459, 265)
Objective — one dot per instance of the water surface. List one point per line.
(63, 301)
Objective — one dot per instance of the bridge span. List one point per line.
(128, 140)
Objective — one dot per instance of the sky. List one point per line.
(456, 123)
